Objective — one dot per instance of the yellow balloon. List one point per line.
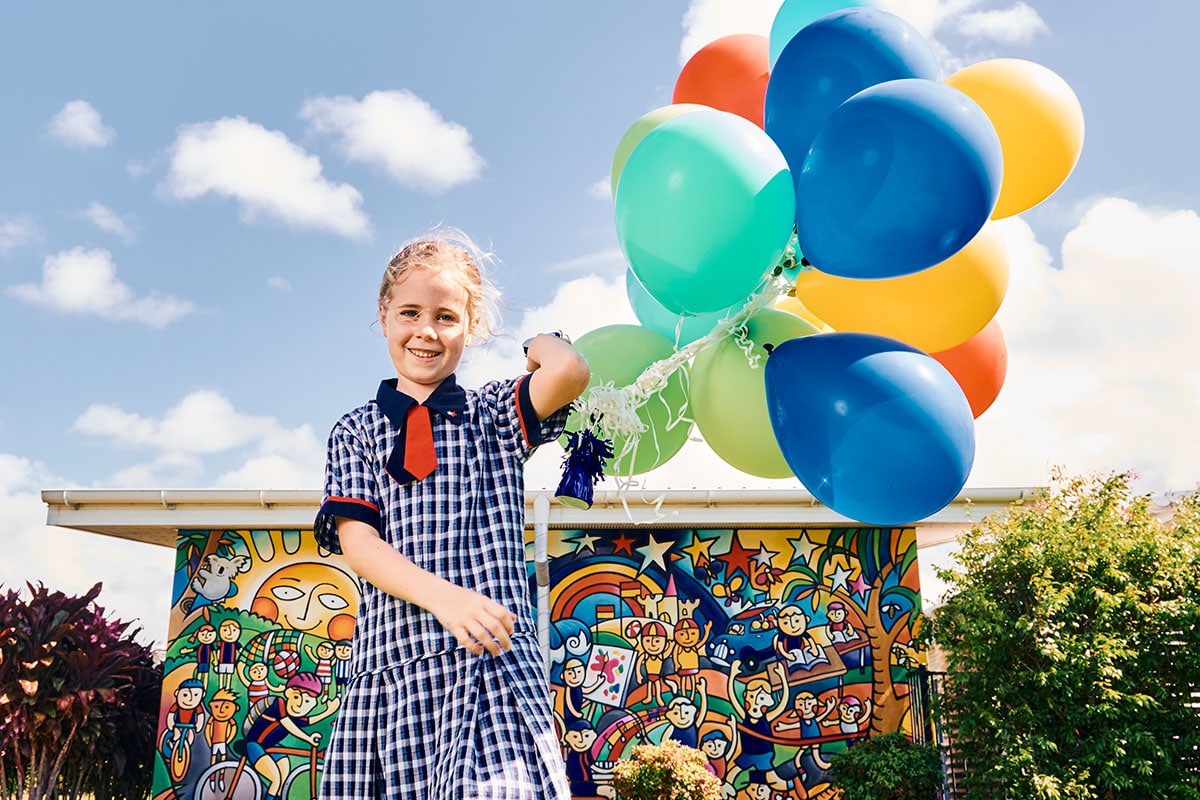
(792, 305)
(933, 310)
(638, 130)
(1039, 121)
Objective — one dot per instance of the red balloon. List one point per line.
(979, 365)
(729, 74)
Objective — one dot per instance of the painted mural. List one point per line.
(261, 622)
(769, 650)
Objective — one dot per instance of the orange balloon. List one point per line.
(979, 365)
(728, 74)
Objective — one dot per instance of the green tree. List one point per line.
(74, 686)
(1072, 633)
(887, 767)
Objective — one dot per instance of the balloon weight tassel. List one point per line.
(583, 466)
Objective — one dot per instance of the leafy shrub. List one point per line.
(887, 767)
(669, 771)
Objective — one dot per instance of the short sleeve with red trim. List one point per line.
(351, 490)
(517, 425)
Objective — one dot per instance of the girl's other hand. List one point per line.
(477, 622)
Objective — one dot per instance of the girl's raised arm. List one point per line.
(560, 374)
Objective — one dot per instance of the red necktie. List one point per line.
(420, 459)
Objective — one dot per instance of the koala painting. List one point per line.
(213, 582)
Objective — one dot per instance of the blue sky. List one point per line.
(196, 205)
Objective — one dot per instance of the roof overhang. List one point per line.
(155, 515)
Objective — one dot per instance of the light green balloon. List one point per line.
(619, 353)
(729, 397)
(644, 124)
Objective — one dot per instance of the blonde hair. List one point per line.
(448, 250)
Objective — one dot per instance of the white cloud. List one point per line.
(601, 189)
(266, 173)
(205, 424)
(136, 576)
(80, 281)
(78, 124)
(708, 20)
(279, 283)
(578, 306)
(1018, 24)
(1104, 354)
(16, 232)
(400, 133)
(605, 263)
(109, 221)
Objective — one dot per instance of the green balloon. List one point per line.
(619, 353)
(729, 397)
(638, 130)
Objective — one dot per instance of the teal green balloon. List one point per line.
(619, 353)
(683, 329)
(704, 210)
(729, 397)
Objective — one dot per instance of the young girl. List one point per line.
(447, 698)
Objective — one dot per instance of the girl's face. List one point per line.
(425, 322)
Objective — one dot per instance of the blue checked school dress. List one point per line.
(423, 718)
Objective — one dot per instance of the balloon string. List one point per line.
(614, 409)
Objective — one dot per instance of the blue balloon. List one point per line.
(831, 60)
(793, 15)
(875, 429)
(682, 329)
(900, 177)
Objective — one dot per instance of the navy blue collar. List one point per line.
(448, 399)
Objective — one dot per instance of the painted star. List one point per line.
(653, 553)
(763, 556)
(804, 548)
(700, 549)
(839, 578)
(623, 543)
(738, 557)
(585, 540)
(860, 587)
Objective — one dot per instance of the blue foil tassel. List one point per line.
(583, 466)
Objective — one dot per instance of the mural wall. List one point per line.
(261, 623)
(769, 650)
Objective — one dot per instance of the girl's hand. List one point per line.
(477, 622)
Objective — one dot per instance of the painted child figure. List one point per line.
(424, 496)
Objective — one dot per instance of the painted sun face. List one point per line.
(313, 598)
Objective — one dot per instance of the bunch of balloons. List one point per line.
(812, 257)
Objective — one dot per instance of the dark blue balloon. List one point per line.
(899, 178)
(877, 430)
(830, 60)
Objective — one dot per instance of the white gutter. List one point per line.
(154, 515)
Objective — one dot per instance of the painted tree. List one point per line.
(1072, 633)
(874, 570)
(67, 674)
